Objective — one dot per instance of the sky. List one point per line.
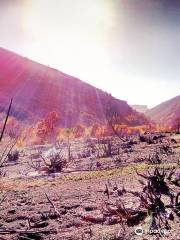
(129, 48)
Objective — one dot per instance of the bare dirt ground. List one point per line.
(82, 201)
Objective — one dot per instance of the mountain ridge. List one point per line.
(165, 113)
(37, 89)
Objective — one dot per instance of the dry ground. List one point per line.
(59, 205)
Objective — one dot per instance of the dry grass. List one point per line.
(32, 183)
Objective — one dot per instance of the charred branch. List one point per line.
(6, 119)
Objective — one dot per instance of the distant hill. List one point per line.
(140, 108)
(166, 113)
(38, 90)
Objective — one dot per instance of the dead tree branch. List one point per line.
(7, 116)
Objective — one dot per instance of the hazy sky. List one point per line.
(129, 48)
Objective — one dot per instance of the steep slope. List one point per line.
(166, 113)
(38, 90)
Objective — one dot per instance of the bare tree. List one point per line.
(114, 120)
(68, 132)
(177, 125)
(7, 151)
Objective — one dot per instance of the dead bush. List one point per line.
(6, 150)
(154, 158)
(13, 156)
(53, 161)
(166, 149)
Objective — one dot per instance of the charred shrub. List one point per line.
(13, 156)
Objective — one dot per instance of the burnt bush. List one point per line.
(166, 149)
(154, 158)
(13, 156)
(146, 138)
(53, 160)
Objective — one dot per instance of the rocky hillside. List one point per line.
(37, 90)
(166, 113)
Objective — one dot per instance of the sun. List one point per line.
(64, 36)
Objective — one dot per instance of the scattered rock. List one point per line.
(63, 211)
(40, 224)
(94, 218)
(89, 208)
(12, 211)
(32, 236)
(10, 219)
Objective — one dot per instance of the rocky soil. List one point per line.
(79, 202)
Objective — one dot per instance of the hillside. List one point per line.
(166, 113)
(38, 90)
